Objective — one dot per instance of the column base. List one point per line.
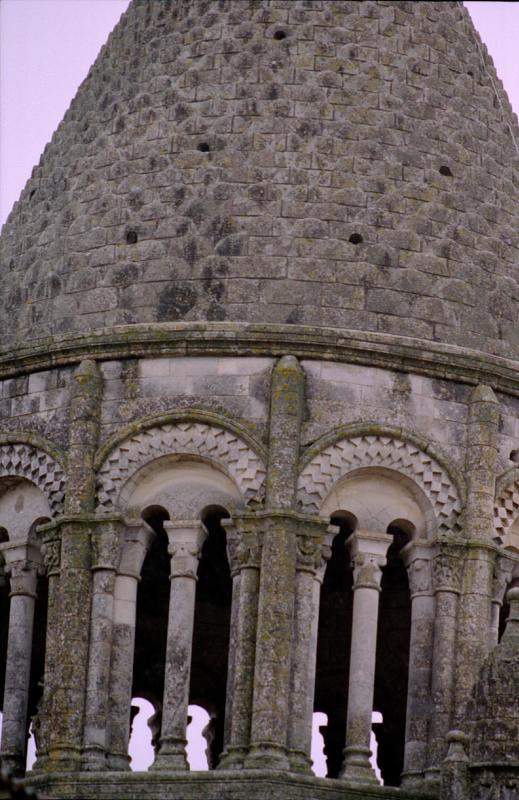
(432, 776)
(357, 766)
(299, 762)
(412, 779)
(118, 762)
(267, 755)
(94, 758)
(171, 756)
(233, 758)
(13, 764)
(63, 759)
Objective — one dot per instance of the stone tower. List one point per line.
(259, 409)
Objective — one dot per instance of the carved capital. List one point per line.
(137, 539)
(23, 577)
(417, 558)
(51, 552)
(503, 569)
(447, 570)
(107, 540)
(185, 547)
(368, 551)
(243, 544)
(312, 554)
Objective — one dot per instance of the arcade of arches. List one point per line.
(207, 587)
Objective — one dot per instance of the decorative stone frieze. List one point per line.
(359, 452)
(506, 508)
(185, 438)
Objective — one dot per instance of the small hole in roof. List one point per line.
(204, 147)
(514, 456)
(445, 171)
(278, 35)
(356, 238)
(131, 237)
(33, 192)
(469, 72)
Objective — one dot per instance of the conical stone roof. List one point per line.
(338, 164)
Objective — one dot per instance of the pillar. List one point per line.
(417, 557)
(185, 544)
(137, 540)
(22, 568)
(244, 553)
(312, 551)
(475, 609)
(369, 556)
(68, 706)
(269, 728)
(50, 538)
(447, 574)
(106, 553)
(503, 568)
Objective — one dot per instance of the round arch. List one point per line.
(23, 459)
(187, 438)
(333, 458)
(506, 508)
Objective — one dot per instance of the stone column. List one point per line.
(313, 550)
(269, 729)
(474, 612)
(22, 568)
(67, 723)
(503, 568)
(106, 553)
(137, 540)
(185, 544)
(417, 557)
(49, 536)
(369, 556)
(244, 553)
(447, 573)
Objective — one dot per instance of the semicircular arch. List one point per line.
(24, 459)
(366, 448)
(188, 437)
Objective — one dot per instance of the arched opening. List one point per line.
(199, 723)
(334, 643)
(392, 665)
(150, 640)
(23, 508)
(319, 723)
(211, 631)
(140, 748)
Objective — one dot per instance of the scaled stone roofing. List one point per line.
(242, 144)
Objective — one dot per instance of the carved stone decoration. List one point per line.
(311, 554)
(20, 460)
(506, 509)
(447, 570)
(185, 438)
(327, 467)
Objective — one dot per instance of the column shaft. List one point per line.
(106, 548)
(137, 541)
(244, 557)
(311, 554)
(185, 542)
(447, 571)
(273, 648)
(418, 561)
(23, 576)
(369, 554)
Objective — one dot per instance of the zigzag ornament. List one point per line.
(187, 438)
(506, 509)
(19, 460)
(325, 469)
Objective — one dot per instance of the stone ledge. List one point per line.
(232, 785)
(242, 339)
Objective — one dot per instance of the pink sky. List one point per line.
(47, 47)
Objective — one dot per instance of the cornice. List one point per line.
(385, 351)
